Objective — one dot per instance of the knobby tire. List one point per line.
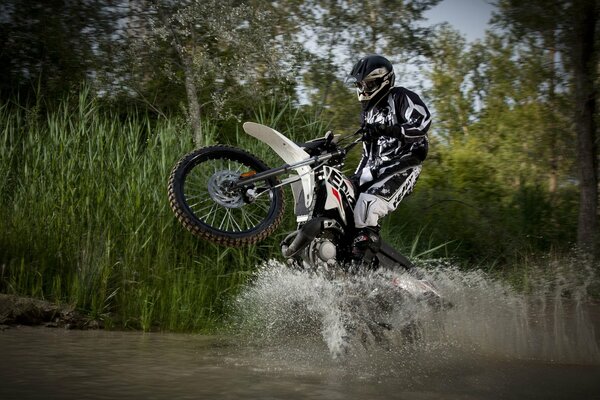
(185, 215)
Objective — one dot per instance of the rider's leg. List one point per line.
(366, 243)
(379, 199)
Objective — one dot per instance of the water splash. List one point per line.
(386, 312)
(551, 321)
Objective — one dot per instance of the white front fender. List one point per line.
(289, 151)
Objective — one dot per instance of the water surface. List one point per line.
(44, 363)
(296, 335)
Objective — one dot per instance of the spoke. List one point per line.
(197, 196)
(222, 221)
(205, 208)
(235, 223)
(213, 213)
(250, 215)
(215, 168)
(193, 206)
(225, 221)
(197, 186)
(213, 210)
(259, 216)
(263, 206)
(229, 221)
(201, 202)
(212, 222)
(247, 220)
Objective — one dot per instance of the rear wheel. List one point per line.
(202, 198)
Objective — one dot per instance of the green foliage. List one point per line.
(221, 52)
(499, 176)
(50, 45)
(85, 220)
(84, 217)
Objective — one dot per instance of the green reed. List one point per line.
(84, 219)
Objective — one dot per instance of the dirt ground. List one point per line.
(15, 310)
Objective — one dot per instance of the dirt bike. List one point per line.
(228, 196)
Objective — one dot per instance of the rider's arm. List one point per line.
(417, 118)
(413, 115)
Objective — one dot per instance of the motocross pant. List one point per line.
(383, 196)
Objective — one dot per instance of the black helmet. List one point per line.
(373, 77)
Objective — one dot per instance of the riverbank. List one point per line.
(16, 310)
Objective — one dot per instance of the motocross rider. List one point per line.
(395, 122)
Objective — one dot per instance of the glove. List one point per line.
(372, 131)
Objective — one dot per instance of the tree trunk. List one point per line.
(190, 84)
(193, 104)
(585, 106)
(551, 129)
(331, 79)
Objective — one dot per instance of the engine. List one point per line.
(315, 243)
(321, 250)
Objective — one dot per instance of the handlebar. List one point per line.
(340, 152)
(355, 142)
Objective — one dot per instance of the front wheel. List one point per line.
(201, 197)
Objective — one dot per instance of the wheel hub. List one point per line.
(219, 189)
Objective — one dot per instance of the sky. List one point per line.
(470, 17)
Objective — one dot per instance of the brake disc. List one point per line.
(219, 189)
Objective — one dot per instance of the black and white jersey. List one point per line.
(405, 111)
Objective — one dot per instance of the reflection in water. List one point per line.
(302, 336)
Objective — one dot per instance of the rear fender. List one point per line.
(390, 258)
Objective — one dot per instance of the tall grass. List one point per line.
(84, 219)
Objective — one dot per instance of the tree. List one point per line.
(451, 91)
(342, 31)
(51, 45)
(501, 143)
(219, 50)
(572, 27)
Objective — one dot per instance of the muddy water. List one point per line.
(305, 336)
(42, 363)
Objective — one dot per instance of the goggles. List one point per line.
(368, 85)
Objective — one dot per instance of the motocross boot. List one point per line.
(365, 246)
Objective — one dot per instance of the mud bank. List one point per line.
(15, 310)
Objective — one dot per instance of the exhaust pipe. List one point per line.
(303, 236)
